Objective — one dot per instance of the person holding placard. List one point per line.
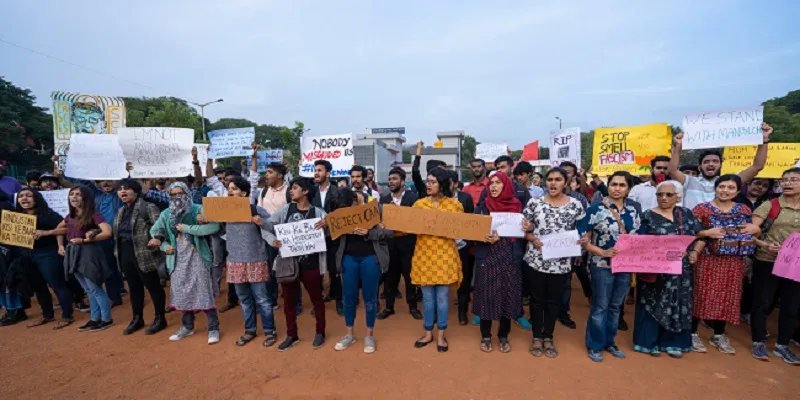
(327, 197)
(602, 225)
(15, 288)
(555, 212)
(357, 174)
(663, 316)
(466, 251)
(779, 219)
(179, 233)
(436, 264)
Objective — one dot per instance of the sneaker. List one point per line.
(596, 355)
(476, 320)
(369, 344)
(385, 313)
(182, 333)
(101, 326)
(319, 341)
(524, 323)
(82, 307)
(87, 326)
(783, 352)
(213, 337)
(760, 352)
(345, 342)
(722, 344)
(795, 342)
(616, 352)
(697, 344)
(288, 343)
(675, 353)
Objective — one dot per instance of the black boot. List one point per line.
(463, 305)
(159, 324)
(136, 324)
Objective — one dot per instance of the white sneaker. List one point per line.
(369, 344)
(213, 337)
(345, 342)
(722, 344)
(697, 344)
(182, 333)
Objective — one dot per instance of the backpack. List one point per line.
(774, 211)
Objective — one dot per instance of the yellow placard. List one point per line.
(629, 148)
(17, 229)
(780, 157)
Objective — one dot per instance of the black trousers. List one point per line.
(765, 286)
(546, 291)
(399, 265)
(138, 281)
(335, 289)
(502, 332)
(717, 326)
(467, 269)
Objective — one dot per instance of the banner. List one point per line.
(337, 149)
(227, 209)
(565, 145)
(345, 220)
(507, 224)
(17, 229)
(652, 254)
(300, 238)
(264, 158)
(58, 200)
(560, 245)
(490, 151)
(235, 142)
(629, 148)
(95, 157)
(723, 128)
(437, 223)
(158, 152)
(530, 152)
(787, 265)
(780, 157)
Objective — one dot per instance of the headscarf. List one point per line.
(505, 202)
(179, 206)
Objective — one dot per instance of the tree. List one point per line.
(162, 112)
(468, 148)
(26, 131)
(290, 141)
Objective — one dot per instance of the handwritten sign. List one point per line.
(787, 265)
(629, 148)
(337, 149)
(202, 156)
(158, 152)
(490, 151)
(227, 209)
(300, 238)
(233, 142)
(95, 157)
(780, 157)
(344, 220)
(652, 254)
(507, 224)
(565, 145)
(265, 157)
(723, 128)
(560, 245)
(58, 200)
(17, 229)
(437, 223)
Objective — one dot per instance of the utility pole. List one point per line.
(203, 114)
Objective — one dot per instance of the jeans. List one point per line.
(50, 266)
(98, 298)
(187, 320)
(138, 281)
(609, 291)
(312, 280)
(546, 291)
(254, 296)
(765, 286)
(364, 271)
(115, 283)
(435, 305)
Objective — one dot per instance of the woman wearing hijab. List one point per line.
(15, 290)
(498, 279)
(189, 262)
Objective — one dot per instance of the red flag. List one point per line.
(531, 151)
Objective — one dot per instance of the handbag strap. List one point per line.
(680, 222)
(616, 216)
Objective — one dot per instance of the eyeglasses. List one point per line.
(669, 195)
(789, 181)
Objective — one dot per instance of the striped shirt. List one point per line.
(698, 190)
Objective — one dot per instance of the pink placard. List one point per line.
(651, 254)
(787, 265)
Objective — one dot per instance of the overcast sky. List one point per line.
(500, 70)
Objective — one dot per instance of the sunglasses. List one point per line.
(668, 195)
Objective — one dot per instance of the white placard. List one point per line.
(565, 145)
(560, 245)
(507, 224)
(490, 151)
(234, 142)
(300, 238)
(741, 126)
(95, 157)
(337, 149)
(202, 156)
(58, 200)
(158, 152)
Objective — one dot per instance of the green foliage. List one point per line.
(468, 148)
(162, 112)
(783, 114)
(26, 131)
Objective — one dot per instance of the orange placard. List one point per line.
(344, 220)
(17, 229)
(437, 223)
(227, 209)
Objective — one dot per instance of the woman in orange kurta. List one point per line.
(436, 264)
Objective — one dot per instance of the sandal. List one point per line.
(41, 321)
(536, 349)
(63, 323)
(486, 345)
(505, 346)
(270, 340)
(550, 351)
(245, 339)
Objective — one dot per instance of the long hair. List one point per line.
(40, 205)
(85, 219)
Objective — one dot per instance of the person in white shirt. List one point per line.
(645, 193)
(357, 175)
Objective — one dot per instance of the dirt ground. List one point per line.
(40, 363)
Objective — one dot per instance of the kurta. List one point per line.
(191, 283)
(498, 283)
(436, 260)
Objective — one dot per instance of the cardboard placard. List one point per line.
(654, 254)
(17, 229)
(344, 220)
(437, 223)
(227, 209)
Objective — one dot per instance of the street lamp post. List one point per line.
(559, 122)
(203, 114)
